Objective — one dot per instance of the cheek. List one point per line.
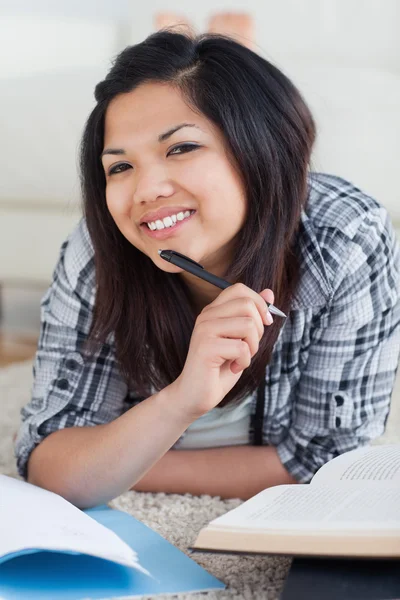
(118, 203)
(119, 208)
(224, 195)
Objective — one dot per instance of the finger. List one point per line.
(235, 351)
(240, 290)
(238, 307)
(268, 295)
(240, 328)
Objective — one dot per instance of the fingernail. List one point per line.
(270, 320)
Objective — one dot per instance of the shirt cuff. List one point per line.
(300, 462)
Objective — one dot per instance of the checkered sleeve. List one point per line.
(69, 389)
(343, 396)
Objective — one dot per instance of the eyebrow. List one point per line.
(161, 138)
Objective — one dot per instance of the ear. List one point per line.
(239, 26)
(163, 20)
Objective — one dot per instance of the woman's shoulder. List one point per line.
(340, 226)
(77, 256)
(335, 202)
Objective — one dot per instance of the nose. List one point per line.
(152, 182)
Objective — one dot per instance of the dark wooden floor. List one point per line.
(16, 347)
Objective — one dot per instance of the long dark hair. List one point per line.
(270, 133)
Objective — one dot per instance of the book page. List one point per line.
(371, 465)
(319, 508)
(34, 518)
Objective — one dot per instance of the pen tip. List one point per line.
(276, 311)
(159, 251)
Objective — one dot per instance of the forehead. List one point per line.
(150, 109)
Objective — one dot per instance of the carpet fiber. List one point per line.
(177, 518)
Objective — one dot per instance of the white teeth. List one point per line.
(168, 221)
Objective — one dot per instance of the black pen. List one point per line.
(187, 264)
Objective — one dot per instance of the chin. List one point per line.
(167, 266)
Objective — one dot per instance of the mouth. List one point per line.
(162, 234)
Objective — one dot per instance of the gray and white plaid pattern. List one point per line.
(329, 383)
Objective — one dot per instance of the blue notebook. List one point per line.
(49, 575)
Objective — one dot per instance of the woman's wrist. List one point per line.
(174, 407)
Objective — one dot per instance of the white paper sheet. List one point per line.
(318, 508)
(31, 517)
(370, 465)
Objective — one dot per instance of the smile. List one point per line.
(169, 228)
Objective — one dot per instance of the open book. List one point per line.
(350, 508)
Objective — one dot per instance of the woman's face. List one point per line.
(160, 155)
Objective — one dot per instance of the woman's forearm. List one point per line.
(91, 465)
(229, 472)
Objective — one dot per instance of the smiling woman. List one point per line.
(147, 376)
(178, 170)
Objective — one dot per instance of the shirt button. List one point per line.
(338, 422)
(71, 364)
(339, 400)
(63, 384)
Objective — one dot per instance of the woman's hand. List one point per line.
(225, 338)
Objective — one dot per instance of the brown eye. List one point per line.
(120, 168)
(183, 149)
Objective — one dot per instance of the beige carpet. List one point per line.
(177, 518)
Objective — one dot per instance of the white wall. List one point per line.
(344, 55)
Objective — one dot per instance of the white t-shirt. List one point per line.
(225, 426)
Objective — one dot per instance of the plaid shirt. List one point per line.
(329, 383)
